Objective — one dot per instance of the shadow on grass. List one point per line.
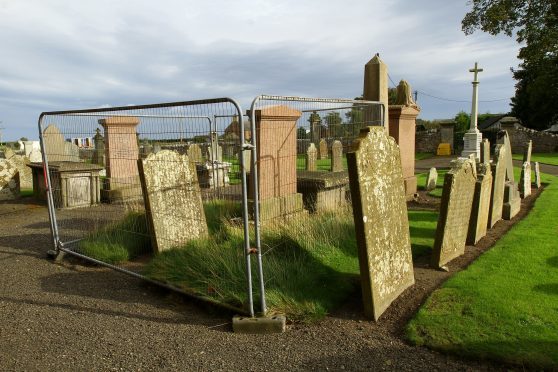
(550, 289)
(553, 261)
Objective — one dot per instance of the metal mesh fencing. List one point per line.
(300, 171)
(150, 191)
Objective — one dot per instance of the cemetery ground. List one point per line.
(112, 321)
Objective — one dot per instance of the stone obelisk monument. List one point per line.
(472, 139)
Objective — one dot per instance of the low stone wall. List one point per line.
(542, 141)
(427, 141)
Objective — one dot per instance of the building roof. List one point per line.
(488, 123)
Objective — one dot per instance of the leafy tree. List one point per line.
(301, 133)
(535, 25)
(462, 121)
(334, 124)
(23, 139)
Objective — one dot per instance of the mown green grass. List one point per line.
(543, 158)
(321, 164)
(421, 182)
(504, 307)
(26, 193)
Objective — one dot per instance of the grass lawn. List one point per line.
(437, 192)
(504, 307)
(543, 158)
(321, 164)
(311, 264)
(26, 192)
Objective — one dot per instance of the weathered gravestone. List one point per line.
(512, 198)
(455, 212)
(431, 180)
(478, 222)
(54, 144)
(9, 180)
(247, 159)
(525, 179)
(99, 151)
(498, 185)
(537, 175)
(172, 199)
(214, 151)
(194, 153)
(311, 158)
(337, 156)
(8, 153)
(485, 151)
(25, 174)
(381, 221)
(323, 149)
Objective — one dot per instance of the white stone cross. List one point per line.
(476, 70)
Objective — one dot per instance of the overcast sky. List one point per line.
(68, 54)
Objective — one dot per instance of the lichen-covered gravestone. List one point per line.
(323, 149)
(498, 184)
(9, 180)
(194, 153)
(337, 156)
(311, 157)
(172, 199)
(381, 221)
(478, 222)
(431, 179)
(455, 211)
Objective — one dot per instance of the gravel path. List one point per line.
(63, 317)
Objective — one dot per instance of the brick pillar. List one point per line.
(402, 127)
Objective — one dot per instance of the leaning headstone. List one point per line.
(525, 180)
(323, 149)
(9, 180)
(537, 175)
(337, 156)
(311, 158)
(172, 199)
(455, 212)
(527, 152)
(54, 143)
(512, 198)
(498, 184)
(381, 221)
(431, 180)
(485, 151)
(478, 222)
(194, 153)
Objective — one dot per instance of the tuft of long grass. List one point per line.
(120, 241)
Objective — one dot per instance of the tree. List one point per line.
(334, 124)
(462, 121)
(23, 139)
(535, 25)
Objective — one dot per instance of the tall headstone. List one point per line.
(276, 161)
(215, 151)
(376, 85)
(527, 152)
(525, 180)
(381, 221)
(315, 128)
(402, 127)
(455, 212)
(55, 145)
(99, 152)
(247, 158)
(121, 155)
(172, 199)
(478, 222)
(431, 179)
(194, 153)
(473, 136)
(337, 156)
(512, 198)
(537, 175)
(311, 158)
(324, 153)
(485, 152)
(498, 185)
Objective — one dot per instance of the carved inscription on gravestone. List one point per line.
(337, 156)
(498, 184)
(172, 199)
(381, 221)
(455, 211)
(311, 157)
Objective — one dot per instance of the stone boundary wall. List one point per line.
(542, 141)
(427, 141)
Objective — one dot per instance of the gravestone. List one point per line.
(121, 158)
(9, 180)
(194, 153)
(512, 198)
(36, 156)
(485, 151)
(311, 158)
(25, 174)
(276, 162)
(99, 151)
(214, 151)
(247, 158)
(431, 180)
(55, 145)
(525, 180)
(498, 184)
(376, 85)
(455, 212)
(527, 152)
(315, 128)
(71, 152)
(323, 149)
(381, 221)
(172, 199)
(337, 156)
(8, 153)
(537, 175)
(478, 222)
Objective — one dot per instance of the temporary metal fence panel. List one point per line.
(97, 190)
(299, 169)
